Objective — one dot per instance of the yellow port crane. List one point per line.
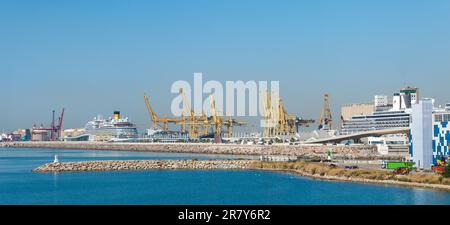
(290, 123)
(277, 121)
(198, 124)
(188, 121)
(265, 115)
(218, 122)
(269, 115)
(229, 124)
(162, 122)
(195, 125)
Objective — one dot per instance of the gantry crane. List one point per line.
(277, 121)
(268, 117)
(195, 125)
(162, 122)
(229, 124)
(291, 123)
(325, 115)
(218, 122)
(198, 124)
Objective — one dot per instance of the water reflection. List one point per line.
(55, 179)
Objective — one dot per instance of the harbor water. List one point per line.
(19, 185)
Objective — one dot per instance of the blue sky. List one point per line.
(94, 57)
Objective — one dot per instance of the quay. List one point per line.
(305, 151)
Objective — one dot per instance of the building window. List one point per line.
(446, 117)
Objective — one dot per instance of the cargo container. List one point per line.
(396, 165)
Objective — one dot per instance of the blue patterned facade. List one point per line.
(441, 140)
(410, 144)
(440, 136)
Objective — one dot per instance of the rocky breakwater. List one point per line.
(120, 165)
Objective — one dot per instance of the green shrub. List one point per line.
(446, 173)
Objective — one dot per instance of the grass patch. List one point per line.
(315, 168)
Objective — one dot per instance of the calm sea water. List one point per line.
(19, 185)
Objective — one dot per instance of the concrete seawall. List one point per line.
(119, 165)
(362, 152)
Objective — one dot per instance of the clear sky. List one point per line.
(93, 57)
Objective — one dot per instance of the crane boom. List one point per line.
(265, 113)
(151, 113)
(216, 119)
(186, 104)
(263, 104)
(60, 121)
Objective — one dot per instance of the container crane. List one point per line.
(325, 115)
(277, 121)
(197, 125)
(162, 122)
(195, 122)
(216, 121)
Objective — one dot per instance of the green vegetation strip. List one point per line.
(324, 171)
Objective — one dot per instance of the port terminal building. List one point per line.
(385, 113)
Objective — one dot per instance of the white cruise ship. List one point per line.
(111, 129)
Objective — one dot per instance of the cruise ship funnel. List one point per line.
(116, 115)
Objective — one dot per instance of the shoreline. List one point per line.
(437, 187)
(141, 165)
(304, 151)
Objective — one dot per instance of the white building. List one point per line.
(396, 102)
(421, 134)
(393, 144)
(407, 97)
(349, 110)
(411, 94)
(380, 100)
